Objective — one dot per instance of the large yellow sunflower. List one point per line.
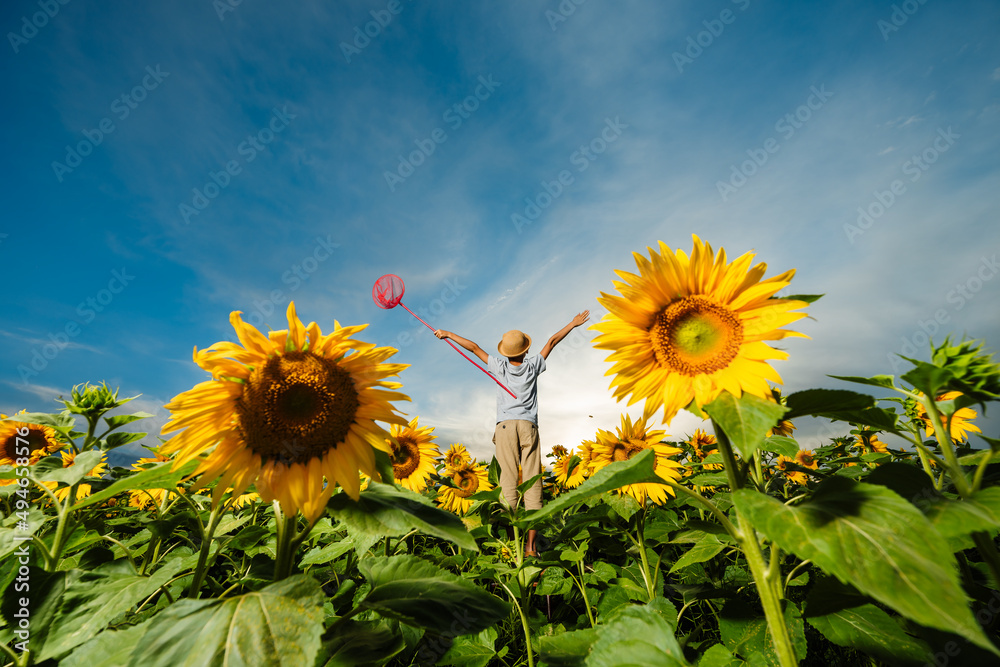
(961, 424)
(569, 479)
(412, 454)
(39, 442)
(285, 411)
(686, 329)
(469, 479)
(456, 458)
(629, 441)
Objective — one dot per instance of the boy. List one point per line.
(516, 434)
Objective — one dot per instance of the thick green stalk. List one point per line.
(201, 569)
(986, 547)
(524, 625)
(58, 541)
(770, 598)
(767, 586)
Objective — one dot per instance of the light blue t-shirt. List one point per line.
(522, 380)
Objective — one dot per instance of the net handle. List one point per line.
(495, 379)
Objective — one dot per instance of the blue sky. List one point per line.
(167, 163)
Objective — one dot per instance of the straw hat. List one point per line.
(514, 343)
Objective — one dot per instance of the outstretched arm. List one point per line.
(562, 333)
(464, 342)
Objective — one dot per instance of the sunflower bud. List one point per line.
(92, 401)
(973, 371)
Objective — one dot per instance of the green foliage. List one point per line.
(418, 593)
(280, 624)
(383, 509)
(871, 537)
(887, 554)
(744, 420)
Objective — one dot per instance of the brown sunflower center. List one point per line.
(623, 450)
(695, 336)
(296, 407)
(405, 457)
(19, 446)
(804, 459)
(466, 483)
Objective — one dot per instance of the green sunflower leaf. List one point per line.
(421, 594)
(111, 647)
(279, 625)
(744, 631)
(780, 444)
(157, 477)
(635, 470)
(120, 420)
(719, 656)
(870, 537)
(884, 381)
(808, 298)
(979, 512)
(825, 401)
(744, 420)
(94, 599)
(639, 635)
(82, 464)
(567, 649)
(705, 549)
(471, 651)
(851, 621)
(384, 509)
(359, 643)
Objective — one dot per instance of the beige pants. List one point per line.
(517, 444)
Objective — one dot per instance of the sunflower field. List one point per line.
(293, 515)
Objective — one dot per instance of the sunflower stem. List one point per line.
(977, 479)
(640, 542)
(728, 458)
(524, 625)
(958, 477)
(770, 597)
(64, 519)
(767, 584)
(583, 592)
(986, 547)
(206, 546)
